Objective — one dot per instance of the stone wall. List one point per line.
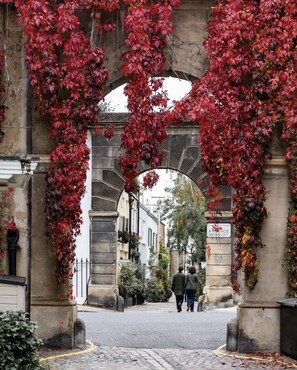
(15, 143)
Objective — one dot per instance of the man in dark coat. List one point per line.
(178, 288)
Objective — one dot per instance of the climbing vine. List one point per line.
(250, 86)
(255, 44)
(67, 73)
(147, 24)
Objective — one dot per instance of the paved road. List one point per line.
(155, 337)
(159, 327)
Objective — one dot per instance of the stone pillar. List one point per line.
(49, 307)
(218, 270)
(218, 266)
(102, 289)
(259, 314)
(174, 262)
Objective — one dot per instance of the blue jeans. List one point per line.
(191, 298)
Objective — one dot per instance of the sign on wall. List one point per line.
(218, 230)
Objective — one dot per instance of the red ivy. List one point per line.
(147, 24)
(67, 74)
(249, 87)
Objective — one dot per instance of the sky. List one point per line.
(175, 87)
(151, 197)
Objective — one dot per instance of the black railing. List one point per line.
(81, 277)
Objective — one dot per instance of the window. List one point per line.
(142, 229)
(154, 239)
(121, 223)
(126, 224)
(150, 237)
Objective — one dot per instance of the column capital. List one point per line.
(221, 215)
(276, 162)
(103, 214)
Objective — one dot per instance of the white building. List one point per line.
(148, 239)
(143, 225)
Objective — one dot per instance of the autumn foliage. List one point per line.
(147, 24)
(67, 73)
(248, 90)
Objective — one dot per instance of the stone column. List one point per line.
(102, 289)
(218, 266)
(54, 313)
(174, 262)
(259, 314)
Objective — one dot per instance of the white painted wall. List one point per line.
(148, 232)
(83, 240)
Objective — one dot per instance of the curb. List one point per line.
(220, 352)
(69, 354)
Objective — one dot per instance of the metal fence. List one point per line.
(80, 279)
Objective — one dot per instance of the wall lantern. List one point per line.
(12, 238)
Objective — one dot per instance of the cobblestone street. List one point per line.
(147, 359)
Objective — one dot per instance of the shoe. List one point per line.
(188, 308)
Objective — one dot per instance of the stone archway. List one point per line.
(258, 315)
(181, 154)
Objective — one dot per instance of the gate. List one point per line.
(81, 276)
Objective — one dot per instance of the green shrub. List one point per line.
(158, 287)
(132, 281)
(156, 291)
(18, 343)
(123, 291)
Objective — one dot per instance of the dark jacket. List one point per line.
(178, 283)
(191, 281)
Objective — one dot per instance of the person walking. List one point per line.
(191, 287)
(178, 288)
